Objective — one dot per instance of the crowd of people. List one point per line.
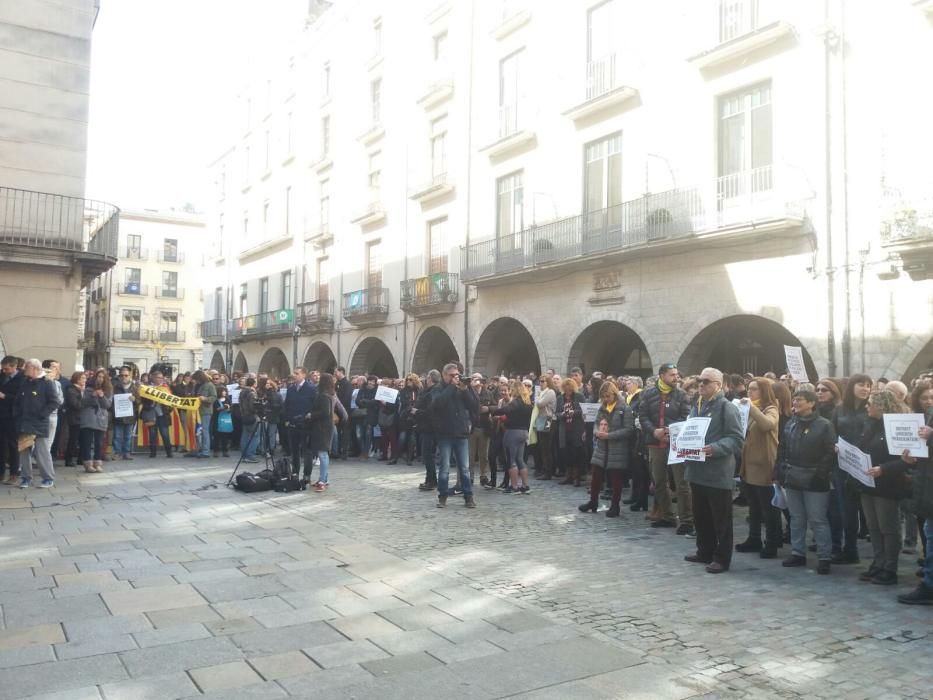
(609, 434)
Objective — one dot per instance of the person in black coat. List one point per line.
(425, 429)
(849, 422)
(73, 393)
(35, 401)
(10, 379)
(299, 398)
(570, 432)
(344, 391)
(366, 399)
(320, 421)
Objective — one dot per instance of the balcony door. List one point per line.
(746, 153)
(168, 326)
(509, 93)
(602, 188)
(510, 213)
(601, 49)
(132, 324)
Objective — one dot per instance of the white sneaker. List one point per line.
(46, 484)
(25, 483)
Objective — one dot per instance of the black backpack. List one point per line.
(283, 480)
(250, 483)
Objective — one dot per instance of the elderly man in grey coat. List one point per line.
(37, 401)
(711, 480)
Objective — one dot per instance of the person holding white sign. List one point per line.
(124, 426)
(711, 480)
(758, 456)
(881, 503)
(805, 460)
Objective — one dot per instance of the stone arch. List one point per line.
(372, 356)
(433, 350)
(240, 364)
(274, 363)
(612, 348)
(506, 345)
(319, 356)
(217, 362)
(922, 362)
(742, 343)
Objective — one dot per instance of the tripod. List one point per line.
(261, 431)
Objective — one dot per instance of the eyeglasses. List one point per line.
(703, 380)
(822, 390)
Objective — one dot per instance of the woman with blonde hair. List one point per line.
(758, 458)
(517, 413)
(543, 424)
(614, 433)
(570, 431)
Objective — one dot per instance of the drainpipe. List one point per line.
(405, 270)
(469, 192)
(847, 333)
(828, 38)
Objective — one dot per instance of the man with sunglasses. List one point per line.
(453, 406)
(711, 481)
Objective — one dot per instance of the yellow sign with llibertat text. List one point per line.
(166, 399)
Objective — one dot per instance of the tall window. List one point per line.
(289, 124)
(246, 165)
(170, 250)
(374, 264)
(265, 220)
(244, 298)
(745, 141)
(509, 211)
(437, 246)
(220, 235)
(263, 295)
(288, 210)
(602, 184)
(230, 302)
(325, 206)
(375, 99)
(439, 47)
(133, 280)
(246, 225)
(375, 173)
(134, 246)
(323, 280)
(219, 302)
(169, 283)
(737, 17)
(267, 140)
(509, 93)
(286, 290)
(131, 324)
(325, 136)
(439, 147)
(168, 326)
(600, 49)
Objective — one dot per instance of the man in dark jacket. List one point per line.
(344, 396)
(35, 402)
(711, 480)
(658, 407)
(10, 379)
(366, 399)
(452, 406)
(425, 428)
(299, 399)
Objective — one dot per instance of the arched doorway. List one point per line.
(433, 350)
(611, 348)
(240, 364)
(922, 363)
(217, 361)
(320, 357)
(739, 344)
(506, 347)
(372, 356)
(275, 364)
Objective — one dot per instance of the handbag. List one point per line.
(799, 478)
(542, 423)
(225, 422)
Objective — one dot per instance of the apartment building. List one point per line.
(613, 185)
(53, 241)
(149, 307)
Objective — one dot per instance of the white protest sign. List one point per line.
(795, 365)
(855, 462)
(283, 392)
(673, 430)
(902, 432)
(235, 395)
(692, 439)
(122, 406)
(589, 412)
(744, 410)
(387, 394)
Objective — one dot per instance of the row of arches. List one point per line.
(744, 343)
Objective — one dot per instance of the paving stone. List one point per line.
(87, 693)
(171, 635)
(329, 683)
(466, 631)
(253, 607)
(465, 652)
(520, 621)
(261, 642)
(82, 607)
(411, 642)
(291, 617)
(101, 537)
(358, 605)
(344, 653)
(93, 646)
(257, 691)
(233, 626)
(16, 684)
(401, 664)
(26, 656)
(152, 599)
(180, 616)
(291, 663)
(363, 626)
(225, 676)
(26, 636)
(181, 656)
(174, 685)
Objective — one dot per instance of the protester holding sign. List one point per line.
(758, 457)
(711, 480)
(921, 502)
(124, 422)
(849, 423)
(95, 415)
(880, 503)
(805, 462)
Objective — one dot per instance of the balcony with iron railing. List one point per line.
(268, 324)
(213, 330)
(171, 336)
(366, 307)
(604, 90)
(511, 133)
(137, 254)
(746, 205)
(742, 27)
(165, 256)
(439, 87)
(130, 335)
(907, 232)
(432, 295)
(132, 289)
(316, 315)
(169, 293)
(374, 212)
(39, 228)
(437, 186)
(513, 15)
(91, 340)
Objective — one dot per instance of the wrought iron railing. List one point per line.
(508, 120)
(366, 302)
(904, 222)
(170, 292)
(600, 76)
(130, 334)
(432, 290)
(169, 257)
(137, 254)
(314, 313)
(172, 336)
(738, 18)
(268, 323)
(134, 289)
(54, 221)
(212, 329)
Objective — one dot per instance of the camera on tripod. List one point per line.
(261, 407)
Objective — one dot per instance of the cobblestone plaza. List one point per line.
(155, 581)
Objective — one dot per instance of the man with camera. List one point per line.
(299, 399)
(452, 408)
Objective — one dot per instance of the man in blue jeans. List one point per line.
(453, 407)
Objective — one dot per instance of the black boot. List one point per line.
(613, 511)
(749, 545)
(588, 506)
